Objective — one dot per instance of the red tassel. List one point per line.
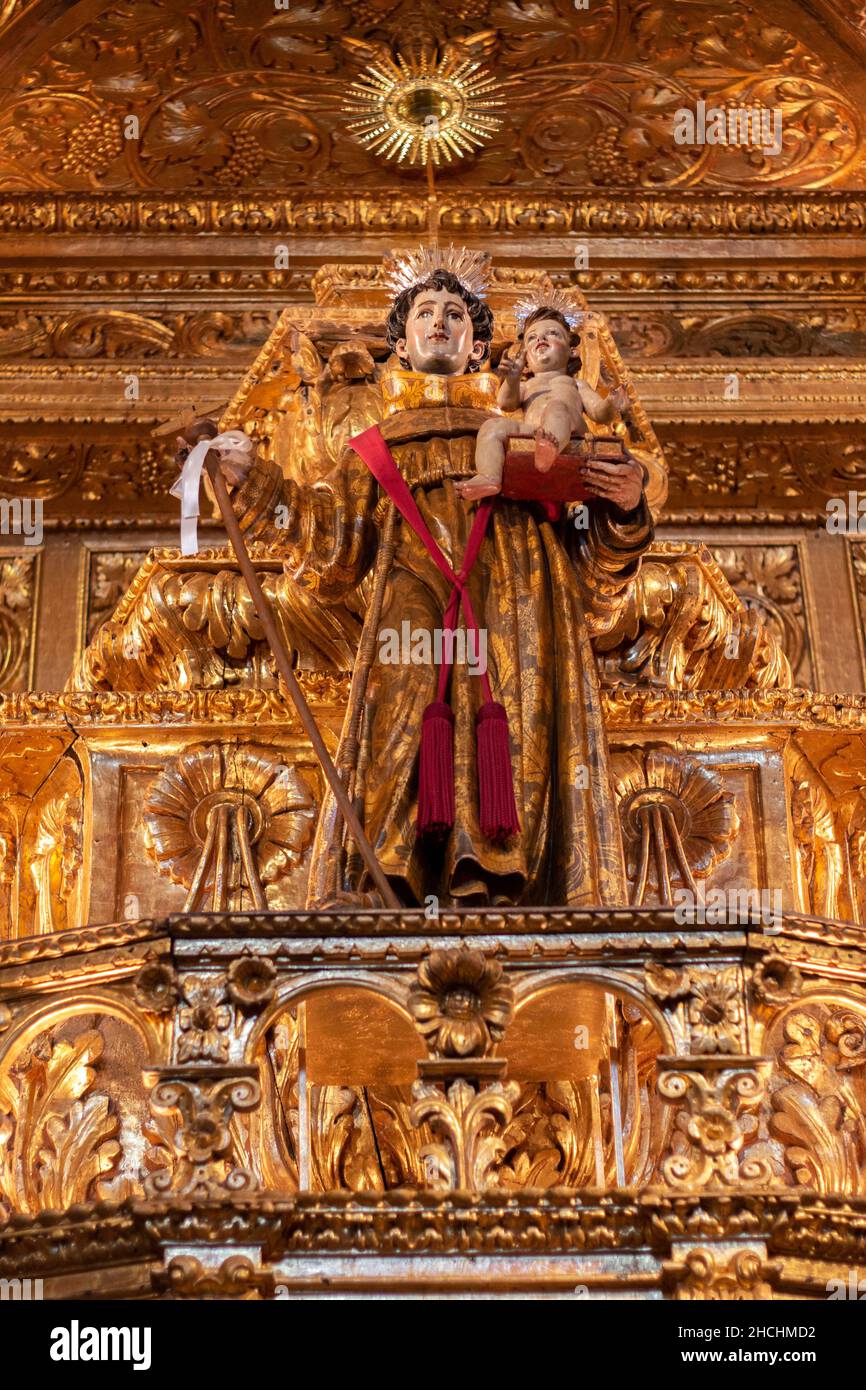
(436, 771)
(497, 808)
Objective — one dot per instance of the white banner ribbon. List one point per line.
(189, 482)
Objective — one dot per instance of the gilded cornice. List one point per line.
(627, 706)
(99, 1234)
(742, 516)
(521, 936)
(478, 213)
(618, 271)
(115, 936)
(624, 706)
(117, 708)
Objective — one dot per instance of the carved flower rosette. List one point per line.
(461, 1004)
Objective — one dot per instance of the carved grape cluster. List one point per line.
(93, 145)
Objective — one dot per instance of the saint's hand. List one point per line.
(235, 466)
(234, 463)
(620, 483)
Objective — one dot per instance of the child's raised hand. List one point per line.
(513, 366)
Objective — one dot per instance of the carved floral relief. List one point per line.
(74, 1122)
(819, 1095)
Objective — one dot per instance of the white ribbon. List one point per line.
(187, 485)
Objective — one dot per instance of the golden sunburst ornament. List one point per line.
(423, 107)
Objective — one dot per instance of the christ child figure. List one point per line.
(554, 400)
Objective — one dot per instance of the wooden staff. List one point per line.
(284, 666)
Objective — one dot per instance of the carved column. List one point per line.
(712, 1087)
(208, 1083)
(714, 1083)
(195, 1102)
(462, 1006)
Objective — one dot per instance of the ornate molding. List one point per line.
(250, 707)
(815, 214)
(99, 1235)
(624, 706)
(402, 937)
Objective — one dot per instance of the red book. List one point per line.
(522, 482)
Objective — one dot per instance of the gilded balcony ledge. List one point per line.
(562, 1244)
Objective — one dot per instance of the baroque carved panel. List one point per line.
(124, 335)
(228, 823)
(109, 574)
(101, 477)
(19, 587)
(222, 99)
(818, 1096)
(692, 826)
(74, 1121)
(776, 332)
(769, 579)
(228, 332)
(785, 470)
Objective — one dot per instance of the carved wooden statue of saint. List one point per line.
(534, 588)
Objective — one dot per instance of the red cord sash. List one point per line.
(371, 446)
(497, 809)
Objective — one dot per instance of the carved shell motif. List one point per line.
(679, 808)
(226, 821)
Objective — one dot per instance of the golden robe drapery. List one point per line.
(541, 590)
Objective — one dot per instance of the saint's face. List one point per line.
(439, 335)
(548, 346)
